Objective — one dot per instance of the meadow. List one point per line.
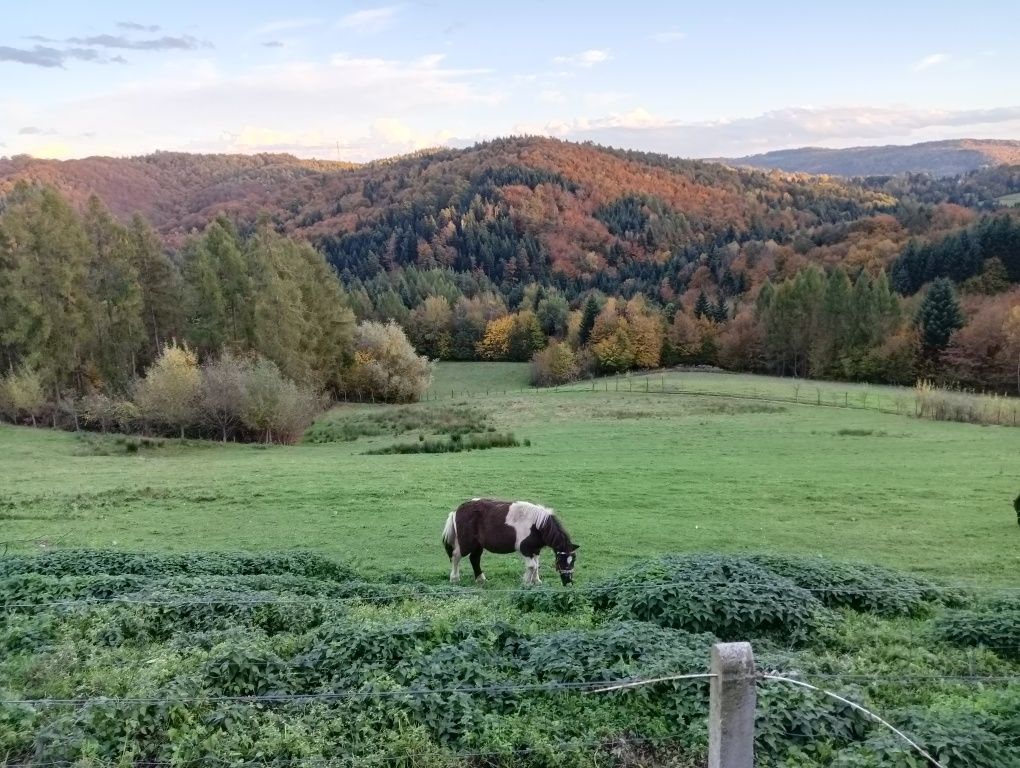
(207, 604)
(632, 473)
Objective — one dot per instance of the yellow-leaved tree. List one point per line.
(169, 393)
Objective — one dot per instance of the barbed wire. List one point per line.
(586, 687)
(340, 695)
(863, 710)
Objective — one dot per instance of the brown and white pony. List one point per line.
(503, 527)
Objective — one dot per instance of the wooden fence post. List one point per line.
(731, 707)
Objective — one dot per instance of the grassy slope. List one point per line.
(632, 474)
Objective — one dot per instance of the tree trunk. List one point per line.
(182, 432)
(224, 433)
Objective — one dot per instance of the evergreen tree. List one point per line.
(591, 312)
(719, 312)
(702, 307)
(938, 317)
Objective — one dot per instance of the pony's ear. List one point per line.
(574, 547)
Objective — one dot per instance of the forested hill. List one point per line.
(938, 158)
(629, 259)
(529, 206)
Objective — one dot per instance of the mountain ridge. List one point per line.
(949, 157)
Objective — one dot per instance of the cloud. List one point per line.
(551, 96)
(588, 58)
(785, 128)
(372, 107)
(133, 27)
(668, 37)
(929, 61)
(164, 43)
(31, 130)
(46, 56)
(272, 44)
(368, 21)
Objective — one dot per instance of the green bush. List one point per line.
(997, 630)
(731, 597)
(455, 443)
(71, 562)
(862, 587)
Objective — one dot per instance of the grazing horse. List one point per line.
(503, 527)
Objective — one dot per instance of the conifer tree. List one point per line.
(938, 317)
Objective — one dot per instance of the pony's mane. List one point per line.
(554, 533)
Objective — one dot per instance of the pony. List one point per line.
(503, 527)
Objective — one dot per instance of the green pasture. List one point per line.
(709, 462)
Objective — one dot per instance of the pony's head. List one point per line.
(566, 561)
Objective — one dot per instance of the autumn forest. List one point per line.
(582, 259)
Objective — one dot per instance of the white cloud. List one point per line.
(368, 21)
(929, 61)
(304, 107)
(588, 58)
(785, 128)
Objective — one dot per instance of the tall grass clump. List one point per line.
(940, 403)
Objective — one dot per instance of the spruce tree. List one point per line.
(591, 311)
(938, 317)
(703, 307)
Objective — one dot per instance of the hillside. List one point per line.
(573, 203)
(938, 158)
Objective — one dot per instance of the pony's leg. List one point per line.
(455, 563)
(476, 565)
(531, 571)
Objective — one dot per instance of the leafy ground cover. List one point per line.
(168, 660)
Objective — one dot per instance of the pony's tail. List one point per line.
(450, 533)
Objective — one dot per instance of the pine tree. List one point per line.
(591, 311)
(938, 317)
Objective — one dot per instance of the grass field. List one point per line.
(633, 474)
(1010, 200)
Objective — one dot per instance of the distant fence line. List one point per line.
(931, 404)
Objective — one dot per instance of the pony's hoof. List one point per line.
(480, 578)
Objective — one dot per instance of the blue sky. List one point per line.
(359, 80)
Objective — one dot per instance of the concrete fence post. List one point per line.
(731, 707)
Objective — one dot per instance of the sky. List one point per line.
(362, 80)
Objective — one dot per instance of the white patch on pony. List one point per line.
(522, 515)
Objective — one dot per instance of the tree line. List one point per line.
(95, 311)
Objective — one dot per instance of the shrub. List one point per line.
(997, 630)
(386, 367)
(556, 364)
(169, 393)
(866, 588)
(455, 443)
(275, 406)
(731, 597)
(21, 394)
(74, 562)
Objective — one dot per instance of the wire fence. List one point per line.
(937, 404)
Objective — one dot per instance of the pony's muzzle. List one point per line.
(567, 577)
